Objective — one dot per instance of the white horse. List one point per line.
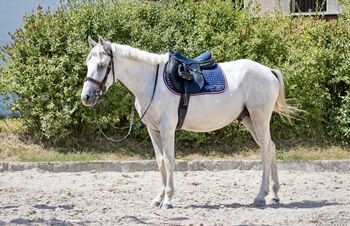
(259, 88)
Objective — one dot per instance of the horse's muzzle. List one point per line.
(89, 100)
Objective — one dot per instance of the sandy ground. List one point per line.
(209, 198)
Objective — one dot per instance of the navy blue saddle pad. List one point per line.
(214, 82)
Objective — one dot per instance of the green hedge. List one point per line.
(46, 66)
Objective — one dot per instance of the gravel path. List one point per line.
(33, 197)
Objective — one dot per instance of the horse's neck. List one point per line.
(138, 77)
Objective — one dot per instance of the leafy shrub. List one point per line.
(46, 66)
(341, 120)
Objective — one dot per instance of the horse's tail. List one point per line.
(281, 106)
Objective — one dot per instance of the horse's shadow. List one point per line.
(53, 221)
(305, 204)
(48, 207)
(24, 221)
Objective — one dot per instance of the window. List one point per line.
(305, 6)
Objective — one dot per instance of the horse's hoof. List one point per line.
(155, 204)
(275, 201)
(165, 206)
(259, 202)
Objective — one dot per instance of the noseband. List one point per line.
(102, 85)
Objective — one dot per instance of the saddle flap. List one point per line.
(197, 75)
(194, 85)
(199, 80)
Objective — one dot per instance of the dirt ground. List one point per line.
(33, 197)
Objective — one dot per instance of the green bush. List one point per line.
(46, 66)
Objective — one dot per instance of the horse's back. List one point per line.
(245, 67)
(242, 73)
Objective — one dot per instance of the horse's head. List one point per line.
(100, 71)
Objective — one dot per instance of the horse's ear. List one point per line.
(105, 44)
(101, 40)
(92, 43)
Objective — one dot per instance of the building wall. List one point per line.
(270, 6)
(267, 6)
(11, 14)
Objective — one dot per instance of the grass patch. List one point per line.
(15, 146)
(314, 153)
(8, 126)
(217, 154)
(56, 156)
(295, 153)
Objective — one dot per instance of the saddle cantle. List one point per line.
(205, 56)
(204, 59)
(181, 68)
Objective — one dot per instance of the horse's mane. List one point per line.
(137, 54)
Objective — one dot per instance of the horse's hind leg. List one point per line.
(261, 122)
(275, 186)
(157, 145)
(274, 174)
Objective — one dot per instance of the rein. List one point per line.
(131, 125)
(102, 89)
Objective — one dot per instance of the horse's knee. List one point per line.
(160, 162)
(169, 161)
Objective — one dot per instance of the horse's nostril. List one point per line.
(87, 97)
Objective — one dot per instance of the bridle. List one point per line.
(102, 89)
(102, 85)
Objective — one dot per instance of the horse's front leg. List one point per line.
(157, 145)
(168, 140)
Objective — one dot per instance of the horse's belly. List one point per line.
(211, 112)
